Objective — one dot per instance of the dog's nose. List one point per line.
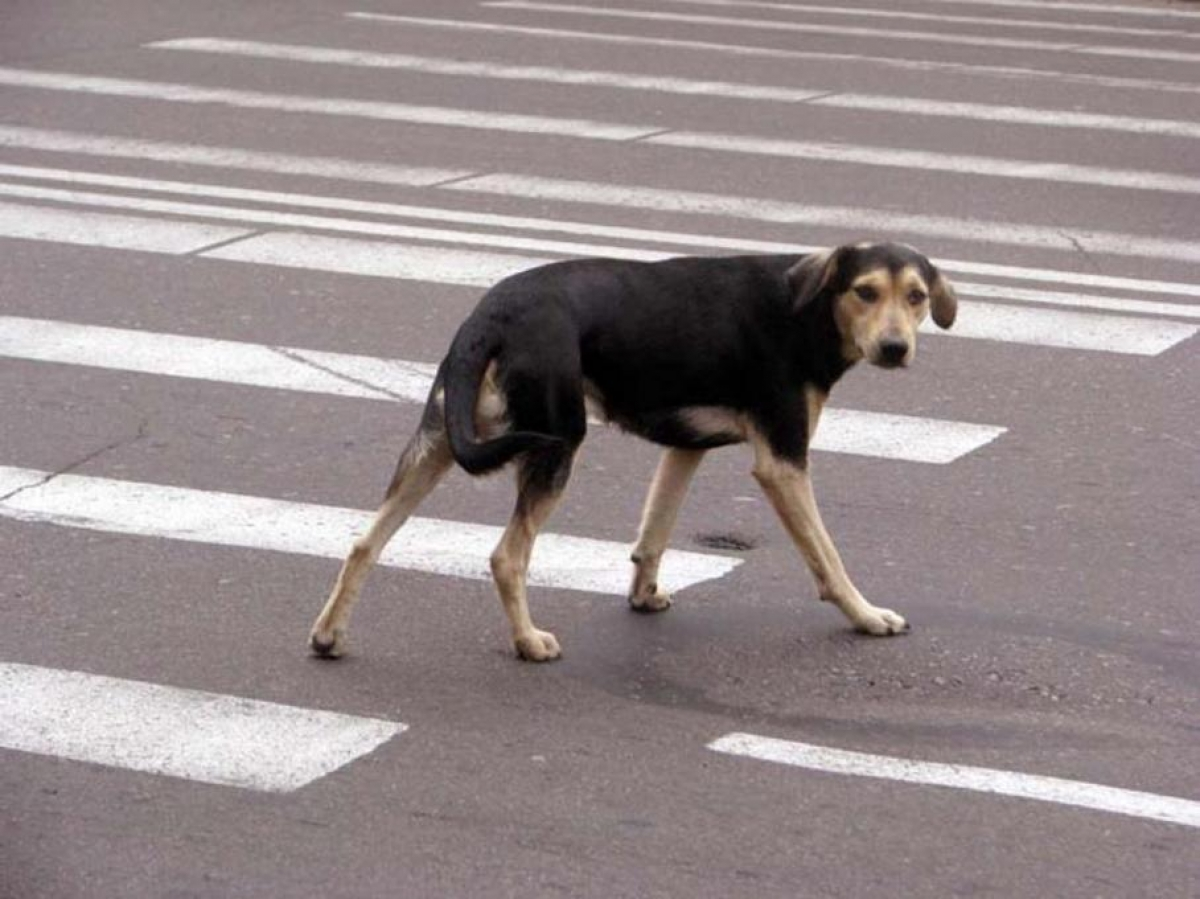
(892, 351)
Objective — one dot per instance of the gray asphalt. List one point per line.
(1051, 576)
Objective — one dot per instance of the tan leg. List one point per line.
(789, 488)
(510, 563)
(421, 466)
(667, 491)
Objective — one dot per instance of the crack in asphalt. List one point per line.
(142, 428)
(342, 376)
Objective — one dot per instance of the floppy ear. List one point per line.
(943, 302)
(811, 275)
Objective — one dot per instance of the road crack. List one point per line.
(142, 429)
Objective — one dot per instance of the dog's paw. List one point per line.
(881, 622)
(328, 645)
(538, 646)
(650, 601)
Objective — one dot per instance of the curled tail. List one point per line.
(462, 378)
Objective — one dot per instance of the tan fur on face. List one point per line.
(891, 315)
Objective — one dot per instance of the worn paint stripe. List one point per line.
(746, 50)
(890, 34)
(900, 437)
(278, 220)
(118, 232)
(101, 145)
(927, 160)
(1152, 806)
(443, 116)
(451, 548)
(1056, 118)
(156, 729)
(988, 21)
(20, 137)
(489, 70)
(853, 218)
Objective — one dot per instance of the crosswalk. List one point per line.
(462, 220)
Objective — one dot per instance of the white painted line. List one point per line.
(489, 70)
(100, 145)
(223, 157)
(889, 34)
(987, 166)
(856, 218)
(1057, 118)
(452, 548)
(285, 219)
(378, 259)
(899, 437)
(1065, 329)
(1019, 115)
(478, 268)
(1078, 300)
(989, 21)
(118, 232)
(607, 131)
(206, 737)
(781, 26)
(1152, 806)
(1156, 11)
(223, 361)
(442, 116)
(746, 50)
(903, 437)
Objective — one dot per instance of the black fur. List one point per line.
(743, 333)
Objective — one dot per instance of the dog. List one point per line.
(691, 353)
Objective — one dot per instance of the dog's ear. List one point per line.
(943, 302)
(812, 274)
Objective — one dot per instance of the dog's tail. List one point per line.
(462, 377)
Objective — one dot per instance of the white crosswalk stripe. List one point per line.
(753, 50)
(902, 437)
(191, 734)
(452, 548)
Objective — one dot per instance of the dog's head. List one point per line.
(879, 294)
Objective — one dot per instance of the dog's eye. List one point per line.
(916, 296)
(867, 293)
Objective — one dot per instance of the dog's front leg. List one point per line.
(667, 491)
(788, 486)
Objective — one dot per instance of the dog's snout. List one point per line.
(893, 351)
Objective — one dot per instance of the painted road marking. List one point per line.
(900, 437)
(890, 34)
(479, 268)
(479, 69)
(711, 47)
(224, 157)
(117, 232)
(206, 737)
(855, 218)
(1155, 12)
(988, 21)
(370, 173)
(451, 548)
(850, 154)
(442, 116)
(927, 160)
(963, 777)
(1055, 118)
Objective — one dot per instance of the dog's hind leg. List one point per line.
(541, 478)
(422, 464)
(667, 491)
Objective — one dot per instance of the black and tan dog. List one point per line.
(691, 353)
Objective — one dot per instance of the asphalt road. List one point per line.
(309, 181)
